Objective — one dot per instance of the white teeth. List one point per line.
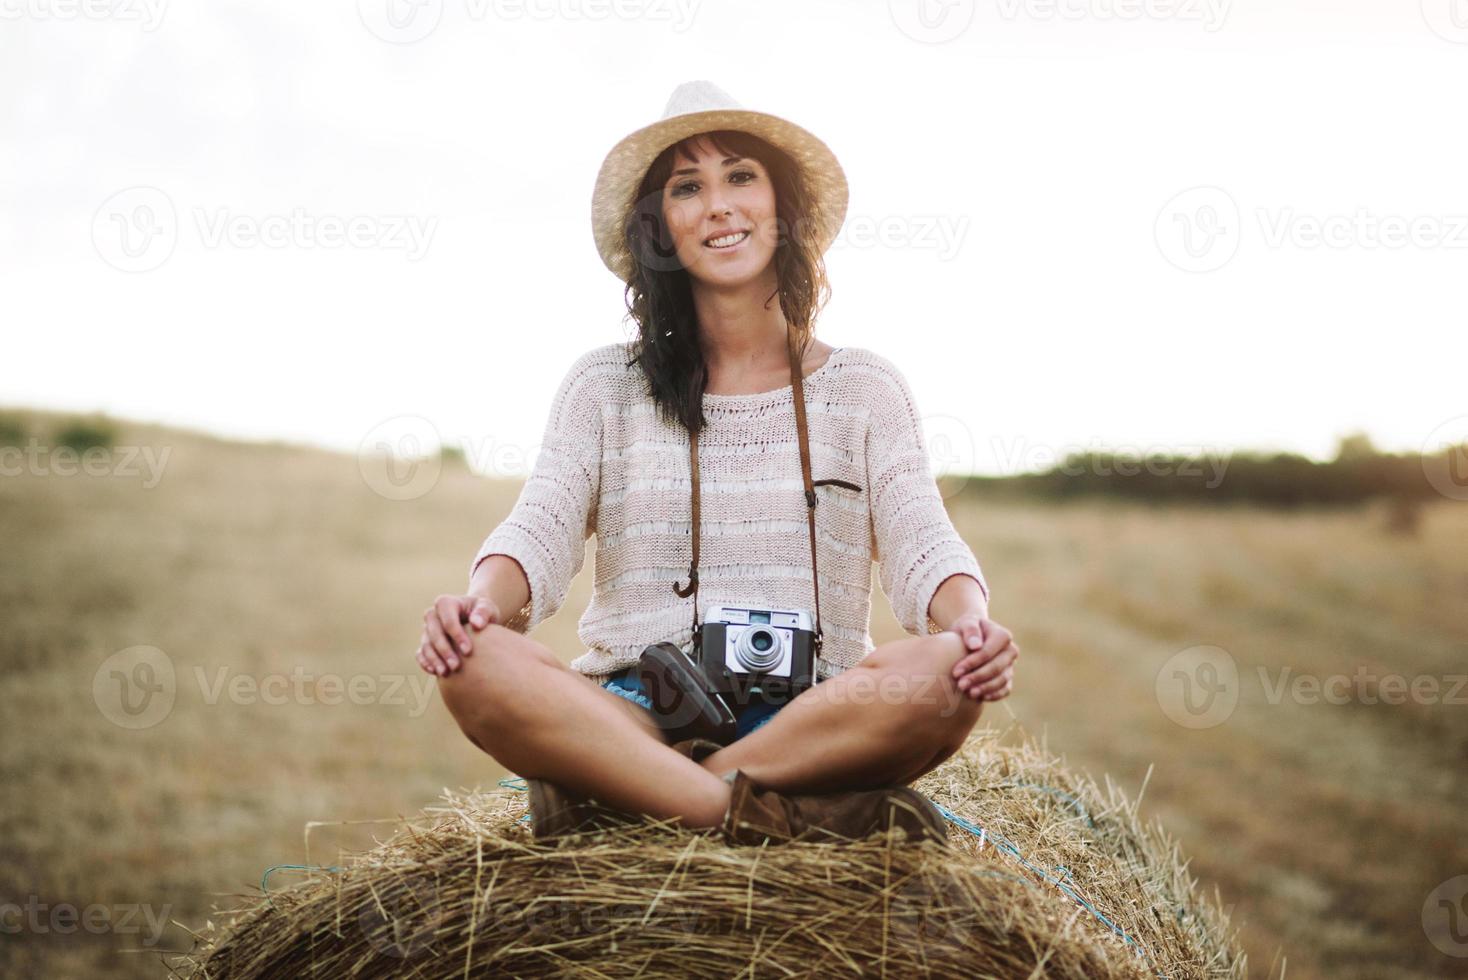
(728, 240)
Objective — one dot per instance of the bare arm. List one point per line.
(501, 580)
(957, 595)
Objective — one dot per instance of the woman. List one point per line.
(709, 215)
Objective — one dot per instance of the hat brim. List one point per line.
(623, 169)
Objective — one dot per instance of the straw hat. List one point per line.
(697, 107)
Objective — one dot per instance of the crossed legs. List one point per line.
(890, 719)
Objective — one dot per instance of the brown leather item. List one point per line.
(557, 811)
(758, 815)
(798, 391)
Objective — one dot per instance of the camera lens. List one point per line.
(758, 648)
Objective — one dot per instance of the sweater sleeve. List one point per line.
(913, 539)
(546, 531)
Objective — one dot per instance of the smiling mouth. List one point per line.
(726, 241)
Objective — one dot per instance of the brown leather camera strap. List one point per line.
(798, 391)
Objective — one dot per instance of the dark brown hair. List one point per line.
(659, 294)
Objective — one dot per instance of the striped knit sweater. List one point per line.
(609, 466)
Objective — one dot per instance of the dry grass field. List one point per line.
(285, 594)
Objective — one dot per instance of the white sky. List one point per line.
(1045, 141)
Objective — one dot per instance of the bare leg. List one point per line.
(536, 717)
(890, 719)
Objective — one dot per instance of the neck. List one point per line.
(740, 334)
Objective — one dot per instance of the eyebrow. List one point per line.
(694, 170)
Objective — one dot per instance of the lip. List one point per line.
(722, 234)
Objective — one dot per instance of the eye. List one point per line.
(691, 186)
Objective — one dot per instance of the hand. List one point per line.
(445, 642)
(986, 673)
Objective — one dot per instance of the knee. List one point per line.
(482, 690)
(934, 706)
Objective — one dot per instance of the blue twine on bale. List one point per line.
(1009, 848)
(953, 818)
(289, 867)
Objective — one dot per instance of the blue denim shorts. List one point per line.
(747, 717)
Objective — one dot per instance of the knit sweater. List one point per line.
(609, 465)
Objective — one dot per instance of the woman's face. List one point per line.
(720, 212)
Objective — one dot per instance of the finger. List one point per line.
(991, 686)
(481, 613)
(996, 638)
(429, 654)
(969, 664)
(989, 670)
(972, 634)
(1001, 693)
(440, 643)
(451, 616)
(423, 662)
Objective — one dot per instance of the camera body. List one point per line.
(747, 652)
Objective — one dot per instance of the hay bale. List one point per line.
(1048, 876)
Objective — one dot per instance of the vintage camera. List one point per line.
(746, 653)
(739, 655)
